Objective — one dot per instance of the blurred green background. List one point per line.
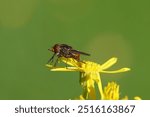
(103, 28)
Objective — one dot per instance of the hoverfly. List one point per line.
(64, 50)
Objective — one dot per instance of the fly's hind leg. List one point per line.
(66, 64)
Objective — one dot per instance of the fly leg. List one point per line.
(66, 64)
(51, 59)
(56, 62)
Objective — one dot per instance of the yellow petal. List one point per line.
(109, 63)
(91, 89)
(81, 97)
(48, 65)
(117, 71)
(137, 98)
(65, 69)
(70, 61)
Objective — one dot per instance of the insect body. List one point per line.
(64, 50)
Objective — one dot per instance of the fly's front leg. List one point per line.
(51, 59)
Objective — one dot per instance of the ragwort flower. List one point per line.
(111, 92)
(89, 74)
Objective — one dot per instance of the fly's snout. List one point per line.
(51, 49)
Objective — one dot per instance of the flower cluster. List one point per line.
(90, 73)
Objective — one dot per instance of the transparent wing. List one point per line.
(79, 52)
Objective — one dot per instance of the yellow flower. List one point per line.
(89, 74)
(111, 92)
(137, 98)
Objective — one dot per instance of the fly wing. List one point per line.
(65, 46)
(79, 52)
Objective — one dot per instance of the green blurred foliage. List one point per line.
(103, 28)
